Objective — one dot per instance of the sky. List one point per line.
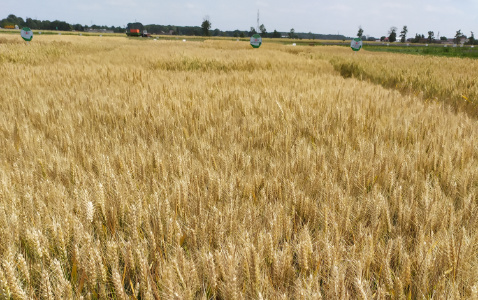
(376, 17)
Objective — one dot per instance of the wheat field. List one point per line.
(142, 169)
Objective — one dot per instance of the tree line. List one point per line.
(12, 20)
(206, 31)
(420, 38)
(203, 30)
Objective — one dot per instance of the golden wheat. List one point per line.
(447, 80)
(163, 169)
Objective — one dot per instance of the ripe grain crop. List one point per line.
(452, 81)
(168, 170)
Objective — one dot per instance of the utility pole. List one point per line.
(257, 29)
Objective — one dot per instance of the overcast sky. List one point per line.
(327, 17)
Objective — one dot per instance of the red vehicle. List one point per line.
(136, 29)
(134, 32)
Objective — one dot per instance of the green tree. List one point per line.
(263, 30)
(431, 36)
(276, 34)
(45, 24)
(417, 38)
(78, 27)
(360, 32)
(12, 20)
(472, 40)
(252, 31)
(403, 34)
(206, 25)
(60, 25)
(32, 24)
(458, 36)
(292, 33)
(392, 37)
